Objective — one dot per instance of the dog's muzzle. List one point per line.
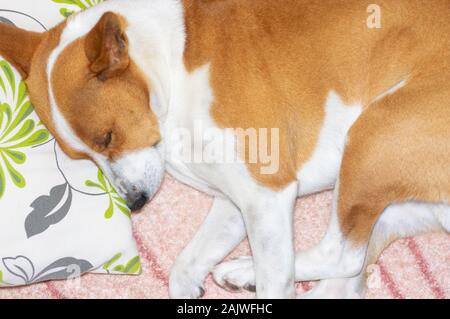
(137, 176)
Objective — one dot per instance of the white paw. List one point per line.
(183, 285)
(236, 274)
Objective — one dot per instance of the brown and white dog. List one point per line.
(364, 109)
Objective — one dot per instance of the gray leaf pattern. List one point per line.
(20, 267)
(63, 268)
(44, 214)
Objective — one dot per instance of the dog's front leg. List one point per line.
(269, 221)
(221, 232)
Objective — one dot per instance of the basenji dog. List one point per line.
(347, 95)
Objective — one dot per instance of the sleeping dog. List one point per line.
(350, 95)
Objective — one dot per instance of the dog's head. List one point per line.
(93, 98)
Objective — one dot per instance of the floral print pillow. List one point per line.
(59, 218)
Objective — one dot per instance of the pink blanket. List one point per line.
(411, 268)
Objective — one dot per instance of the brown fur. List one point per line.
(106, 47)
(119, 105)
(19, 54)
(398, 151)
(273, 65)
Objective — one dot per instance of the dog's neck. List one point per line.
(157, 36)
(157, 45)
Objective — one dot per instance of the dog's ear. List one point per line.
(107, 47)
(17, 46)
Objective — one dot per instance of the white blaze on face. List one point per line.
(138, 172)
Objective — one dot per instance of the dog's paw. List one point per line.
(184, 286)
(236, 274)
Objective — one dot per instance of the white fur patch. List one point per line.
(321, 171)
(143, 169)
(412, 218)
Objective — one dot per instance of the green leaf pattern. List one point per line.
(132, 267)
(75, 5)
(114, 200)
(18, 129)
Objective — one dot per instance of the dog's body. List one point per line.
(363, 109)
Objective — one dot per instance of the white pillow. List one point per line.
(58, 218)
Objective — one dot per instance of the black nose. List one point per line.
(140, 202)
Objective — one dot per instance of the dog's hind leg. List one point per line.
(397, 221)
(394, 182)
